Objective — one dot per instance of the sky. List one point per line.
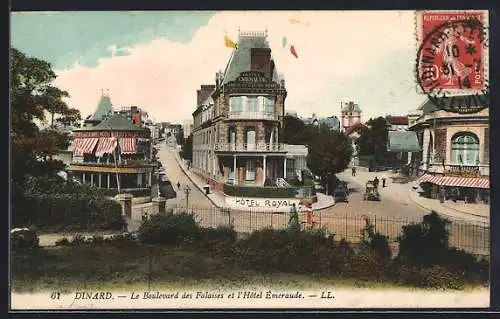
(158, 59)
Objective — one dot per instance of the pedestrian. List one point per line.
(383, 181)
(375, 182)
(293, 222)
(178, 185)
(310, 216)
(353, 171)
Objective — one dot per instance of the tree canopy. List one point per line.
(33, 97)
(329, 153)
(373, 138)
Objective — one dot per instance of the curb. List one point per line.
(456, 210)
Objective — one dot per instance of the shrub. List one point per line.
(375, 243)
(24, 238)
(426, 243)
(57, 204)
(169, 229)
(437, 277)
(62, 242)
(368, 265)
(78, 239)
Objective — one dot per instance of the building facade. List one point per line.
(237, 122)
(112, 153)
(454, 160)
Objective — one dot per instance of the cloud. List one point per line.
(364, 56)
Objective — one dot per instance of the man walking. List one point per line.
(179, 185)
(353, 171)
(375, 182)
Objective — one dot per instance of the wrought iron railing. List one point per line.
(248, 147)
(253, 115)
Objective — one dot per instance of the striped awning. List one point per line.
(452, 181)
(429, 178)
(127, 145)
(106, 145)
(84, 146)
(474, 182)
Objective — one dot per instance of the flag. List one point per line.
(292, 50)
(228, 43)
(283, 42)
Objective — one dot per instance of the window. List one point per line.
(232, 138)
(250, 171)
(250, 139)
(269, 104)
(465, 149)
(236, 103)
(252, 104)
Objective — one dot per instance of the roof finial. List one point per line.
(266, 32)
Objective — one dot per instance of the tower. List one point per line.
(351, 114)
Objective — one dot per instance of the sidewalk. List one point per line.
(470, 212)
(217, 198)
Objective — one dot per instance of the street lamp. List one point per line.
(187, 189)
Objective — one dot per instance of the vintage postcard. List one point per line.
(249, 159)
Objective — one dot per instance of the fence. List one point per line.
(471, 237)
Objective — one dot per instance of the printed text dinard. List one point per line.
(268, 294)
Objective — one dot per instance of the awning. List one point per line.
(429, 178)
(105, 145)
(452, 181)
(84, 146)
(127, 145)
(474, 182)
(402, 141)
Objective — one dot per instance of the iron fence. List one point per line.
(473, 237)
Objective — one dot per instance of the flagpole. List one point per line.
(116, 164)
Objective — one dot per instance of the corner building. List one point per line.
(237, 121)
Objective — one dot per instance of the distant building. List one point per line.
(176, 130)
(397, 123)
(351, 115)
(187, 127)
(332, 122)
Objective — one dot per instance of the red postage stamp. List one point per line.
(452, 52)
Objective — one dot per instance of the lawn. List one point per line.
(126, 266)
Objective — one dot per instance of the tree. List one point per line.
(187, 148)
(373, 138)
(32, 97)
(329, 153)
(295, 131)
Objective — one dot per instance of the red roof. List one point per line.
(353, 128)
(398, 120)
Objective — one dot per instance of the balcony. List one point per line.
(252, 116)
(244, 147)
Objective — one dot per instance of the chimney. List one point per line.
(271, 70)
(261, 60)
(205, 92)
(198, 97)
